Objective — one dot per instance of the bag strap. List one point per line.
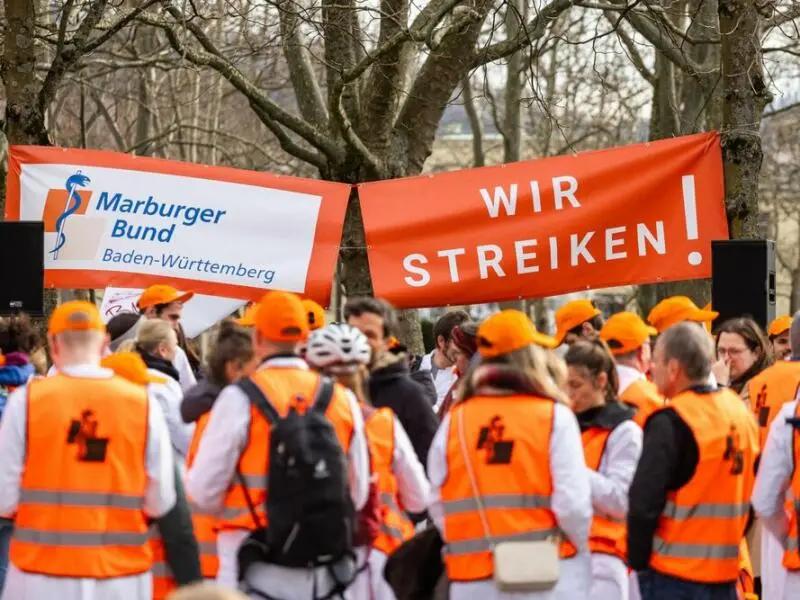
(324, 395)
(259, 399)
(473, 481)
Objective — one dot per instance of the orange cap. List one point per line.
(281, 317)
(315, 313)
(507, 331)
(76, 315)
(2, 359)
(675, 309)
(573, 314)
(130, 366)
(625, 332)
(779, 326)
(248, 319)
(162, 294)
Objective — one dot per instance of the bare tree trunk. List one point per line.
(478, 156)
(746, 95)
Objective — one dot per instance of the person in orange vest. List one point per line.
(176, 558)
(628, 337)
(778, 333)
(507, 465)
(689, 500)
(236, 459)
(231, 358)
(612, 443)
(343, 352)
(86, 463)
(780, 569)
(576, 320)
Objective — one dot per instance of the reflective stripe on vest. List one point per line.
(79, 539)
(699, 533)
(499, 501)
(81, 499)
(473, 546)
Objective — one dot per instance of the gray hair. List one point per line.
(689, 344)
(794, 335)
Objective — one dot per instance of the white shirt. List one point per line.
(169, 395)
(185, 374)
(158, 500)
(611, 482)
(443, 379)
(627, 376)
(775, 474)
(412, 485)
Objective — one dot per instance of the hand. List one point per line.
(722, 372)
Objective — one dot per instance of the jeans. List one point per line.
(655, 586)
(6, 529)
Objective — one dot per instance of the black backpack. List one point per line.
(310, 512)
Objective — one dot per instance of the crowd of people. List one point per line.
(303, 460)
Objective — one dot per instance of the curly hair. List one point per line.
(18, 334)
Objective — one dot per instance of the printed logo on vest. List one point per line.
(761, 406)
(490, 439)
(733, 452)
(83, 434)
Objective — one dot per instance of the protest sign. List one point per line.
(127, 221)
(630, 215)
(199, 313)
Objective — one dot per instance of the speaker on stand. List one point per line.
(22, 268)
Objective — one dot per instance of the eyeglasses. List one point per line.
(732, 352)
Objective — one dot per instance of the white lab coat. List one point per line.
(769, 496)
(159, 499)
(610, 485)
(169, 395)
(414, 491)
(571, 503)
(185, 374)
(212, 472)
(443, 379)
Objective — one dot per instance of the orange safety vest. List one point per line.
(508, 446)
(644, 397)
(699, 532)
(608, 534)
(395, 527)
(205, 531)
(80, 512)
(285, 387)
(770, 390)
(791, 555)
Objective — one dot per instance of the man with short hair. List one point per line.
(165, 302)
(390, 383)
(86, 463)
(778, 332)
(779, 477)
(628, 337)
(231, 467)
(677, 551)
(579, 319)
(441, 361)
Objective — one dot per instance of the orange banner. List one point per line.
(637, 214)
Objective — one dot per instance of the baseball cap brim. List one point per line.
(545, 341)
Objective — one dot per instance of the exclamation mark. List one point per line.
(690, 213)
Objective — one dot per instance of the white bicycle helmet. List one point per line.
(337, 347)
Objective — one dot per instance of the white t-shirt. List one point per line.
(443, 379)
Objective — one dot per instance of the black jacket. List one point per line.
(180, 544)
(162, 365)
(198, 400)
(391, 385)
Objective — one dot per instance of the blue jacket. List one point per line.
(12, 376)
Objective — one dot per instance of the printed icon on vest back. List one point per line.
(490, 439)
(83, 434)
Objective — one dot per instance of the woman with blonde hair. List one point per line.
(508, 477)
(343, 352)
(612, 444)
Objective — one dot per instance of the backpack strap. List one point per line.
(259, 399)
(324, 395)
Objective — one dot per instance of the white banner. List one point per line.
(199, 313)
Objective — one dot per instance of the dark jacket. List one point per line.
(162, 365)
(198, 400)
(391, 385)
(425, 379)
(180, 544)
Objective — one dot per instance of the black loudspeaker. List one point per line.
(743, 280)
(22, 267)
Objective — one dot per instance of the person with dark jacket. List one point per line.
(421, 376)
(390, 382)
